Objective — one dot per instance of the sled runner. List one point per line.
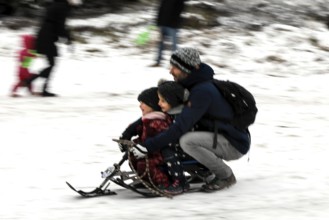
(196, 173)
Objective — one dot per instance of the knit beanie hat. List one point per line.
(150, 98)
(185, 59)
(173, 93)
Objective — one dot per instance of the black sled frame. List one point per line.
(130, 180)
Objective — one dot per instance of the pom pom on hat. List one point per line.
(150, 98)
(185, 59)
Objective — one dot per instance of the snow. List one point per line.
(48, 141)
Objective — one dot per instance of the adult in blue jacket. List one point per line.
(205, 99)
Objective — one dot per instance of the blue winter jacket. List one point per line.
(204, 99)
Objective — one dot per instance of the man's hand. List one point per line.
(139, 151)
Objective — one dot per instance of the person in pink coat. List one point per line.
(25, 57)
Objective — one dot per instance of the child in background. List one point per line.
(26, 55)
(152, 122)
(172, 97)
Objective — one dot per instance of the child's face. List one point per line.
(164, 105)
(145, 108)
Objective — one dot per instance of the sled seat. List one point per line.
(197, 172)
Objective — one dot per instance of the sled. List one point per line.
(196, 174)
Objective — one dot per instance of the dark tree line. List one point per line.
(28, 7)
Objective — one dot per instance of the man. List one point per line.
(52, 28)
(168, 21)
(205, 99)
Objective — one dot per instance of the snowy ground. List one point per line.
(47, 141)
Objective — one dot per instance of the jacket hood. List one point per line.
(28, 42)
(203, 74)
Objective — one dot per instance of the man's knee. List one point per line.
(185, 142)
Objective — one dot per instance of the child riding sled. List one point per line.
(165, 162)
(152, 122)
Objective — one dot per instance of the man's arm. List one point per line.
(199, 102)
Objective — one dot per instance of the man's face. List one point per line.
(177, 73)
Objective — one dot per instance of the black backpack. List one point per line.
(241, 101)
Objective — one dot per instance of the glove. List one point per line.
(132, 129)
(139, 151)
(122, 146)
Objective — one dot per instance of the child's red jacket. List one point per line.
(25, 56)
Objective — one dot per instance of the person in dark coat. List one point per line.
(204, 99)
(51, 30)
(168, 21)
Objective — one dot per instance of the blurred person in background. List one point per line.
(168, 21)
(52, 28)
(25, 58)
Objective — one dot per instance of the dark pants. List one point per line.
(166, 33)
(45, 73)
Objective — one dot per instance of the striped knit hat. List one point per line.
(186, 59)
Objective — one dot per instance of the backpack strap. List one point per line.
(215, 129)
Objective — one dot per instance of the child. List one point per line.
(152, 122)
(26, 55)
(172, 98)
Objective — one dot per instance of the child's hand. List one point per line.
(124, 144)
(123, 147)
